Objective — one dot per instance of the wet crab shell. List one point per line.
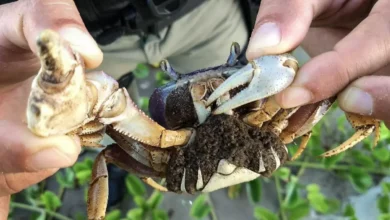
(172, 105)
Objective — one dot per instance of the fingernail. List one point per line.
(81, 41)
(49, 158)
(295, 96)
(267, 35)
(356, 100)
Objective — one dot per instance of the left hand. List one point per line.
(349, 42)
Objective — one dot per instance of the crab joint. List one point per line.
(126, 118)
(58, 62)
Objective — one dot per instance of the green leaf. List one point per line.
(234, 191)
(86, 164)
(261, 213)
(384, 133)
(159, 214)
(360, 179)
(113, 215)
(283, 173)
(315, 145)
(300, 211)
(316, 199)
(292, 195)
(144, 103)
(313, 188)
(385, 187)
(155, 200)
(361, 158)
(254, 190)
(139, 201)
(135, 186)
(83, 170)
(135, 214)
(318, 202)
(67, 180)
(200, 208)
(383, 203)
(334, 205)
(384, 216)
(381, 154)
(141, 71)
(349, 211)
(50, 201)
(83, 176)
(161, 76)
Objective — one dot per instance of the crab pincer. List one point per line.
(265, 76)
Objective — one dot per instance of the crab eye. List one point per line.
(172, 106)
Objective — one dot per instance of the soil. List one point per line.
(223, 137)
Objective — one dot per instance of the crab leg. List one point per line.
(120, 112)
(280, 121)
(302, 146)
(154, 184)
(364, 127)
(304, 119)
(265, 113)
(98, 190)
(266, 76)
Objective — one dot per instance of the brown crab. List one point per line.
(195, 140)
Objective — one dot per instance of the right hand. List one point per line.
(26, 159)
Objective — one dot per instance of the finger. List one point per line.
(369, 96)
(4, 206)
(281, 25)
(12, 183)
(364, 51)
(23, 20)
(327, 36)
(29, 153)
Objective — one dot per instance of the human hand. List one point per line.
(350, 45)
(25, 158)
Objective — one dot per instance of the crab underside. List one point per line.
(210, 129)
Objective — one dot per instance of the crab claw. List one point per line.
(267, 76)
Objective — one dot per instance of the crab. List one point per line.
(207, 129)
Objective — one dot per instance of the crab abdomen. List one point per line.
(224, 152)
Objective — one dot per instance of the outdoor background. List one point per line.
(352, 185)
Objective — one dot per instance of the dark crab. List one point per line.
(212, 128)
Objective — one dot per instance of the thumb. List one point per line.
(27, 152)
(368, 95)
(24, 20)
(281, 25)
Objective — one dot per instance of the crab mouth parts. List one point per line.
(50, 83)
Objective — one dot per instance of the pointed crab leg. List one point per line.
(302, 146)
(364, 127)
(120, 112)
(98, 190)
(302, 122)
(154, 184)
(266, 76)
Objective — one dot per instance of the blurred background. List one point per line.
(353, 185)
